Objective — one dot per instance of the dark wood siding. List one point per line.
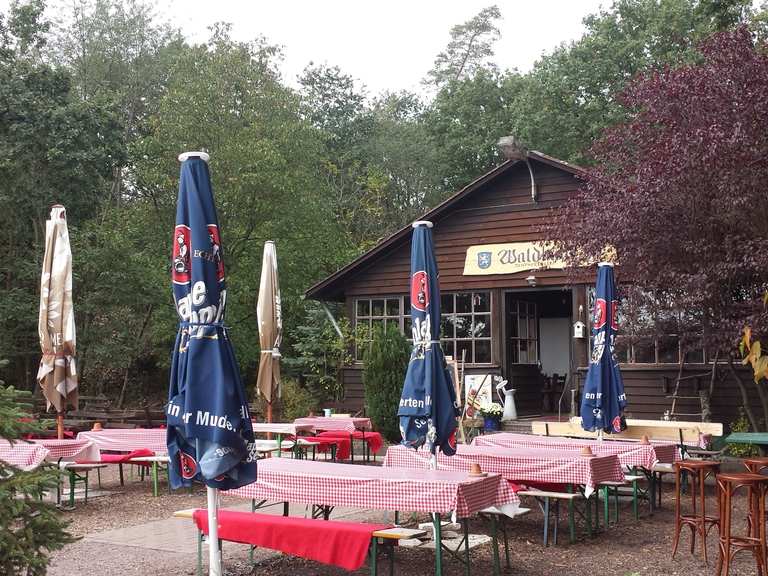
(647, 398)
(500, 212)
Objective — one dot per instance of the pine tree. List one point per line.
(30, 527)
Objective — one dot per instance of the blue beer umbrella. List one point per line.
(428, 407)
(209, 426)
(603, 402)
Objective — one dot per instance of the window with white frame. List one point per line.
(371, 313)
(523, 332)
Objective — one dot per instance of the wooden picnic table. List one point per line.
(327, 485)
(631, 453)
(759, 439)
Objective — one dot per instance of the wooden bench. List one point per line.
(503, 518)
(388, 536)
(76, 472)
(680, 432)
(543, 497)
(618, 489)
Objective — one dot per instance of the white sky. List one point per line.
(387, 44)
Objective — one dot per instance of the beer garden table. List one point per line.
(327, 485)
(128, 440)
(631, 454)
(338, 423)
(23, 455)
(523, 465)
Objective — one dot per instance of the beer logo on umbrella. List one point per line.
(420, 291)
(181, 245)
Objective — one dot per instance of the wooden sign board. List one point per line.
(672, 431)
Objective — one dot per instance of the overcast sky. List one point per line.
(386, 44)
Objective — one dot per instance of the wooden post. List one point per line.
(60, 425)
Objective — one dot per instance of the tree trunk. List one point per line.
(125, 385)
(744, 396)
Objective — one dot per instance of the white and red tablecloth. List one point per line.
(69, 450)
(283, 428)
(128, 440)
(630, 453)
(354, 486)
(333, 423)
(22, 455)
(521, 465)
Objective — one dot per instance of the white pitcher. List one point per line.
(508, 401)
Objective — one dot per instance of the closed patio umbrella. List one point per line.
(57, 374)
(209, 427)
(428, 407)
(603, 402)
(270, 320)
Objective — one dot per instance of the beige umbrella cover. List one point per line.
(57, 374)
(270, 328)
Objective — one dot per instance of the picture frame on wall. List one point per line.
(478, 390)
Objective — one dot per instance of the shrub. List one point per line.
(741, 424)
(296, 401)
(386, 362)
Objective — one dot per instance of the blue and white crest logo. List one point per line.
(483, 260)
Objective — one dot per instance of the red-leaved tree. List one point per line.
(681, 191)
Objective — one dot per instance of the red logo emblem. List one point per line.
(599, 317)
(617, 424)
(420, 291)
(188, 466)
(180, 267)
(213, 235)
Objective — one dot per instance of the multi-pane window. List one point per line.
(372, 313)
(466, 326)
(650, 328)
(523, 332)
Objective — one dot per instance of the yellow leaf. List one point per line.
(755, 349)
(761, 369)
(747, 336)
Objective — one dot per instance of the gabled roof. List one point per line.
(317, 291)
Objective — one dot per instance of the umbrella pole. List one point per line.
(214, 555)
(60, 425)
(269, 412)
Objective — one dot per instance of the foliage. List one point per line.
(386, 362)
(30, 527)
(753, 355)
(741, 424)
(296, 401)
(320, 354)
(470, 48)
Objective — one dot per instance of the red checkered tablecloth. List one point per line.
(354, 486)
(22, 455)
(531, 465)
(70, 450)
(347, 424)
(630, 454)
(120, 440)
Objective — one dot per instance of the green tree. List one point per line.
(55, 148)
(30, 527)
(386, 362)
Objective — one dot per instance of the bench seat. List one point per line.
(343, 544)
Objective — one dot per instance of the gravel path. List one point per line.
(630, 549)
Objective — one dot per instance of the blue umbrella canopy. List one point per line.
(209, 426)
(428, 407)
(602, 406)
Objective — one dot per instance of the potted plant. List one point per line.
(491, 413)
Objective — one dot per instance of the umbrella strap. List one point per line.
(212, 324)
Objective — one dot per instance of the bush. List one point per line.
(296, 401)
(741, 424)
(386, 362)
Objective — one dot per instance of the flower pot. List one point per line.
(490, 423)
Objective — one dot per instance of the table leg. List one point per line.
(436, 523)
(374, 554)
(154, 479)
(465, 524)
(351, 448)
(571, 517)
(72, 488)
(495, 536)
(279, 445)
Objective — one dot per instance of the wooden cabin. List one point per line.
(507, 313)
